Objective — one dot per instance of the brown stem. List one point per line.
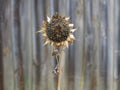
(59, 68)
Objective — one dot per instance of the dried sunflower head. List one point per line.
(57, 31)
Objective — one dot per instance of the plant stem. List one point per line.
(59, 74)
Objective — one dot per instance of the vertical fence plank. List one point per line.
(1, 61)
(95, 78)
(116, 49)
(56, 6)
(17, 50)
(79, 48)
(29, 44)
(88, 37)
(26, 32)
(1, 57)
(33, 35)
(119, 48)
(39, 43)
(110, 32)
(118, 67)
(7, 51)
(103, 10)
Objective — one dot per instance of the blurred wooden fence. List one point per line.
(92, 62)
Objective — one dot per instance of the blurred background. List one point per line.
(92, 62)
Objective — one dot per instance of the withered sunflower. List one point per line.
(57, 31)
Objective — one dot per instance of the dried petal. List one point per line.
(71, 25)
(72, 30)
(72, 37)
(48, 19)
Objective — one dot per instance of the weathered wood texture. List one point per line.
(92, 62)
(1, 57)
